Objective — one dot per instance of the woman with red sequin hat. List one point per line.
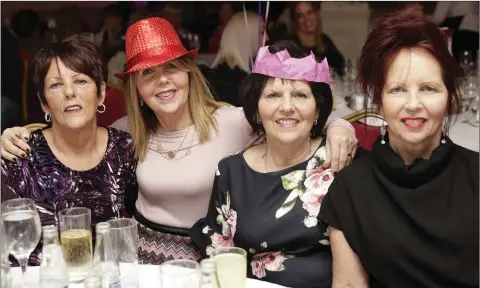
(180, 133)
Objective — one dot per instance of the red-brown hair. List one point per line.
(77, 54)
(405, 28)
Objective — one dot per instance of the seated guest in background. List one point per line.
(225, 13)
(232, 64)
(462, 18)
(306, 22)
(406, 215)
(73, 162)
(268, 196)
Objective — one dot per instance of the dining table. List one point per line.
(148, 277)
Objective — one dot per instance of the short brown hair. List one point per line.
(77, 54)
(405, 28)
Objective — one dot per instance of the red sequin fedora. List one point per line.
(151, 42)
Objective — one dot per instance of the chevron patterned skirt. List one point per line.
(160, 243)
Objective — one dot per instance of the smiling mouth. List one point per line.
(414, 123)
(167, 95)
(73, 108)
(287, 122)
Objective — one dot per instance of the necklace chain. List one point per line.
(265, 160)
(170, 154)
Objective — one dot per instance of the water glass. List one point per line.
(5, 274)
(124, 237)
(180, 274)
(231, 267)
(22, 226)
(76, 241)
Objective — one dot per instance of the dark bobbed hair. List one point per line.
(80, 55)
(252, 87)
(405, 28)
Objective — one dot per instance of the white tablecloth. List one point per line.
(461, 133)
(148, 277)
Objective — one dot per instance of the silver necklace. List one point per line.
(265, 162)
(170, 154)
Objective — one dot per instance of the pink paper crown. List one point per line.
(282, 65)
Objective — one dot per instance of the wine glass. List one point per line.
(22, 229)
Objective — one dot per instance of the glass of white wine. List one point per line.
(76, 241)
(180, 274)
(231, 267)
(22, 229)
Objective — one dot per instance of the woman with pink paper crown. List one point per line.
(179, 134)
(266, 198)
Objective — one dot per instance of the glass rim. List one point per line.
(131, 223)
(224, 250)
(66, 212)
(195, 270)
(26, 201)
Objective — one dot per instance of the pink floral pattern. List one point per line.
(227, 219)
(268, 261)
(310, 185)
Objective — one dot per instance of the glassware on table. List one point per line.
(5, 274)
(208, 280)
(22, 229)
(105, 263)
(53, 269)
(76, 241)
(180, 274)
(124, 236)
(231, 267)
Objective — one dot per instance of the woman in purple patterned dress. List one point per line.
(73, 162)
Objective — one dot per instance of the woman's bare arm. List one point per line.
(347, 269)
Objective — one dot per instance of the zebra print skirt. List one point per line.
(160, 243)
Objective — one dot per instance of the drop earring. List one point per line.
(382, 132)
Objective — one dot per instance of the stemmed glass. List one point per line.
(22, 229)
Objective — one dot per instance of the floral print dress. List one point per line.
(273, 216)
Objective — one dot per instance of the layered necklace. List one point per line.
(171, 154)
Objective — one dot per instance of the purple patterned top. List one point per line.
(109, 189)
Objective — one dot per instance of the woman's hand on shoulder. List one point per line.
(341, 148)
(15, 144)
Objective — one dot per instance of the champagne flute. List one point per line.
(231, 267)
(76, 241)
(22, 229)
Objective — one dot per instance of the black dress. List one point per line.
(411, 226)
(273, 216)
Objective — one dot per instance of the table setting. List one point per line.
(70, 260)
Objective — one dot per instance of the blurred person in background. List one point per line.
(239, 44)
(111, 36)
(28, 29)
(225, 13)
(308, 34)
(462, 18)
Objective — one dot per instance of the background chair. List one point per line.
(366, 134)
(35, 126)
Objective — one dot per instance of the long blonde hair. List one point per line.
(239, 42)
(142, 120)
